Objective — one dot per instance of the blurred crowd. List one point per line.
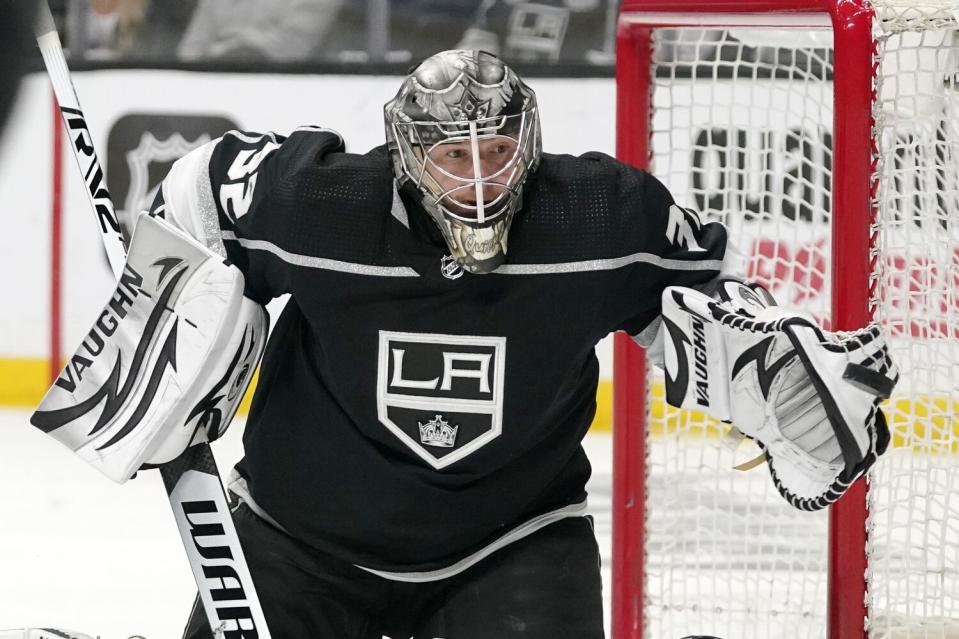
(354, 31)
(561, 32)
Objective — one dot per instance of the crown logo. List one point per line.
(438, 432)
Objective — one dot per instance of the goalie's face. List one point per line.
(473, 179)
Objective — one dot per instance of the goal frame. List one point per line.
(852, 215)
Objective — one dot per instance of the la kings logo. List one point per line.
(441, 395)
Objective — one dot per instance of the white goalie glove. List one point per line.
(809, 398)
(167, 361)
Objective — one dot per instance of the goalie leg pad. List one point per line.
(165, 364)
(809, 398)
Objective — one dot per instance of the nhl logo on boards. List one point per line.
(450, 268)
(438, 432)
(141, 148)
(441, 396)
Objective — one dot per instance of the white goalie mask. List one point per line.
(464, 131)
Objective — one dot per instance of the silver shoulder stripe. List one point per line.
(608, 265)
(506, 269)
(323, 263)
(206, 208)
(398, 210)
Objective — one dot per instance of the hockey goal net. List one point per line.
(825, 135)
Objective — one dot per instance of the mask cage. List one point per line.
(415, 141)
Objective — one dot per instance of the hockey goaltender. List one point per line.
(413, 462)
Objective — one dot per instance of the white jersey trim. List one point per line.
(271, 135)
(321, 129)
(238, 486)
(310, 261)
(609, 265)
(252, 137)
(524, 530)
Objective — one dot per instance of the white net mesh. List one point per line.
(914, 494)
(742, 134)
(898, 16)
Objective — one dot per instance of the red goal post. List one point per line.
(834, 163)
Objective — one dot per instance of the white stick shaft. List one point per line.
(245, 620)
(81, 142)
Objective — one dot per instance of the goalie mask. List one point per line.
(464, 131)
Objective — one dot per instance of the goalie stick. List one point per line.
(192, 481)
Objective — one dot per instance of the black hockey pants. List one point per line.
(545, 586)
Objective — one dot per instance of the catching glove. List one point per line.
(810, 398)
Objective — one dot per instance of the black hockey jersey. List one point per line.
(411, 416)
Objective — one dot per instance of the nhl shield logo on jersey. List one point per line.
(450, 268)
(441, 395)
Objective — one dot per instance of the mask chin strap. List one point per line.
(477, 174)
